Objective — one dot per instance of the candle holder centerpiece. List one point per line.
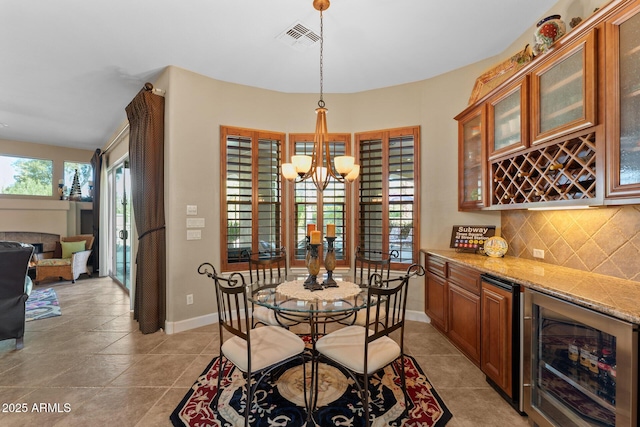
(307, 258)
(330, 264)
(314, 268)
(310, 229)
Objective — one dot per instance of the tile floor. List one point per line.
(101, 371)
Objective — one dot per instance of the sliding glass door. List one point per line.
(120, 230)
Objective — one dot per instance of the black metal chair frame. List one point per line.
(266, 265)
(233, 313)
(269, 266)
(388, 296)
(373, 262)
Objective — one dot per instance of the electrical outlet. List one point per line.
(538, 253)
(189, 299)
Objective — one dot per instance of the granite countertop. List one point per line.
(609, 295)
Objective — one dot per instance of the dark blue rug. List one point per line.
(279, 399)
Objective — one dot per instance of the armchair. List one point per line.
(70, 263)
(14, 263)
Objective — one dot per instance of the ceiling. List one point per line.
(68, 68)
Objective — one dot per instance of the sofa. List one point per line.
(14, 265)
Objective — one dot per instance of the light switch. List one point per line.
(194, 235)
(195, 222)
(192, 209)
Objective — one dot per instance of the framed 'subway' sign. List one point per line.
(471, 237)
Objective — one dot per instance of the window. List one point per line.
(26, 176)
(309, 206)
(251, 193)
(85, 177)
(389, 206)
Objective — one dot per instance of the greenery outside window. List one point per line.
(85, 174)
(251, 194)
(26, 176)
(389, 205)
(310, 206)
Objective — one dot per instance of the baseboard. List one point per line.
(209, 319)
(417, 316)
(188, 324)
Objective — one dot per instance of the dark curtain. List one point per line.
(146, 160)
(96, 163)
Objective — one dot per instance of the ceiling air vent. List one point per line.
(298, 36)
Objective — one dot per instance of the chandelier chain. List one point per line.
(321, 102)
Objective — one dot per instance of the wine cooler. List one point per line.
(581, 366)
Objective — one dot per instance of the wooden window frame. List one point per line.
(385, 136)
(291, 228)
(255, 136)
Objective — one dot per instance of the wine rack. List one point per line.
(563, 170)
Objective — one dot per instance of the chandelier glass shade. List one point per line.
(318, 167)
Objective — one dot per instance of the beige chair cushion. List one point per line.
(268, 317)
(269, 345)
(346, 346)
(54, 262)
(361, 316)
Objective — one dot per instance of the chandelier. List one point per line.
(318, 166)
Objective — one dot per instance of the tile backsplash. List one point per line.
(602, 240)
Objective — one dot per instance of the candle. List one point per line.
(316, 237)
(331, 230)
(310, 228)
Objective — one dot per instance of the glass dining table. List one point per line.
(292, 303)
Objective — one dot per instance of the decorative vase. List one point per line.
(547, 32)
(330, 264)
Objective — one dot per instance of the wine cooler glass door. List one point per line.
(583, 365)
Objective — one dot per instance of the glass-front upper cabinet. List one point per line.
(471, 159)
(623, 103)
(563, 90)
(508, 119)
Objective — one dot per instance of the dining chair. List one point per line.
(255, 352)
(267, 266)
(367, 263)
(362, 351)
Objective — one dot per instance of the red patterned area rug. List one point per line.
(279, 400)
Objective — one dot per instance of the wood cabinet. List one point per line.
(563, 90)
(472, 158)
(463, 317)
(578, 142)
(508, 119)
(496, 361)
(452, 302)
(623, 103)
(436, 300)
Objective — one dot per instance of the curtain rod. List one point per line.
(116, 139)
(148, 87)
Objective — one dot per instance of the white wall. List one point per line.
(196, 106)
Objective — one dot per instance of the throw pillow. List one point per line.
(69, 248)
